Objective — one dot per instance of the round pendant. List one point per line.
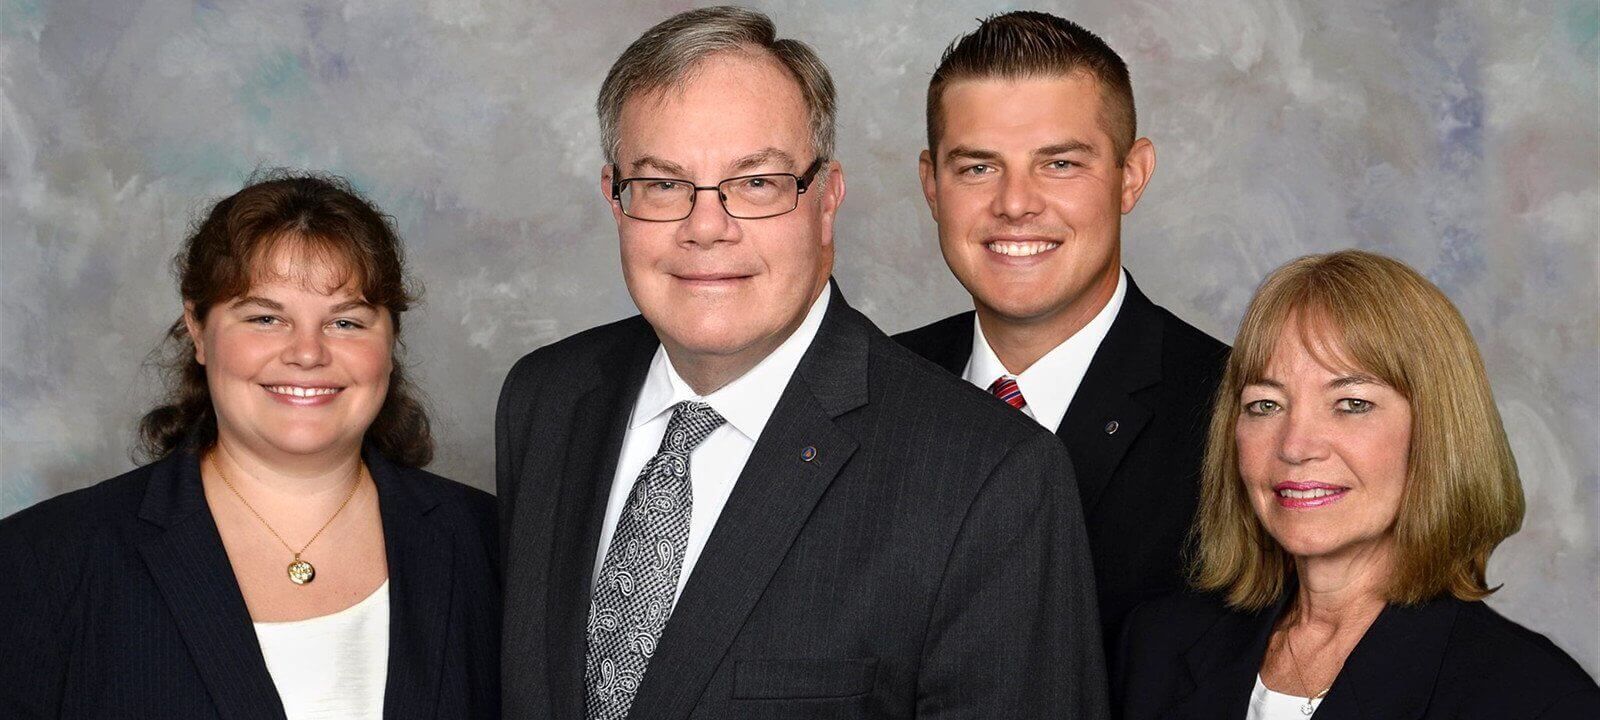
(301, 572)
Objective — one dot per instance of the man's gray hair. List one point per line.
(666, 54)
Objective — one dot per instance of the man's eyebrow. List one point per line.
(660, 165)
(970, 153)
(1070, 146)
(765, 157)
(256, 300)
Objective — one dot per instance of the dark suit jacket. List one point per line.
(1189, 656)
(928, 560)
(120, 602)
(1155, 377)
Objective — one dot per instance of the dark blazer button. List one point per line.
(1111, 427)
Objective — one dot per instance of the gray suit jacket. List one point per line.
(928, 561)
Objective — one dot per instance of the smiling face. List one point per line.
(717, 289)
(1323, 452)
(1029, 196)
(297, 366)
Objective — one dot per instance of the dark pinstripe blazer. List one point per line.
(898, 545)
(119, 601)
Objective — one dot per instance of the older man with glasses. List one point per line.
(748, 501)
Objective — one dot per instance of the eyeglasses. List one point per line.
(747, 197)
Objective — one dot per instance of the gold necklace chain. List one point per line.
(300, 571)
(1308, 707)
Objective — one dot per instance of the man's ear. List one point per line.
(608, 176)
(1137, 168)
(930, 182)
(191, 324)
(833, 191)
(833, 188)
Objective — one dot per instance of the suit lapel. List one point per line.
(770, 503)
(1106, 414)
(599, 425)
(190, 567)
(1391, 673)
(1224, 663)
(421, 564)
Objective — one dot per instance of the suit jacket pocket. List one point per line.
(818, 678)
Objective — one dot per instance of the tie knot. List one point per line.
(1005, 388)
(691, 423)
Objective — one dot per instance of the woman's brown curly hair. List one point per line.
(325, 220)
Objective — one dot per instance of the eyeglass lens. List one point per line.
(752, 197)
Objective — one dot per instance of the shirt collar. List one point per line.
(1049, 384)
(748, 401)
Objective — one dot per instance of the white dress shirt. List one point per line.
(1050, 383)
(1269, 704)
(746, 403)
(333, 666)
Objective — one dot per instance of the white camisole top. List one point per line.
(333, 666)
(1266, 704)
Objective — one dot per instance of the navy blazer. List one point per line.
(897, 545)
(1135, 431)
(1190, 656)
(119, 601)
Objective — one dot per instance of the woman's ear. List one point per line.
(192, 325)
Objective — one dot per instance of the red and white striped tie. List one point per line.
(1005, 388)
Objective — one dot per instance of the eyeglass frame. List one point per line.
(802, 182)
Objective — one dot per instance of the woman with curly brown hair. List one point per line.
(283, 555)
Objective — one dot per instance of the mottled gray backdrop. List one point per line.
(1463, 138)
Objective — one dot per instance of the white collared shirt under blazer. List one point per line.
(746, 403)
(1050, 383)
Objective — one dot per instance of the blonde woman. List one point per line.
(1357, 478)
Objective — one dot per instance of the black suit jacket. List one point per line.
(928, 561)
(1189, 656)
(119, 601)
(1154, 376)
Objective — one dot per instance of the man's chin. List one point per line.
(1019, 307)
(704, 341)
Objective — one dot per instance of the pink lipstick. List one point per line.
(1299, 495)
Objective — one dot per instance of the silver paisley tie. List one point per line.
(639, 577)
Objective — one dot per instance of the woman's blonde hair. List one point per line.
(1462, 494)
